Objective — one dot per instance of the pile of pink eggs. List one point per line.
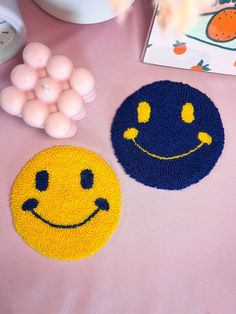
(48, 92)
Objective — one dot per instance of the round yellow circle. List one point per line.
(66, 202)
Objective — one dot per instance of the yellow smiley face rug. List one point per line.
(66, 202)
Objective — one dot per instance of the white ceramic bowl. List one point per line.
(79, 11)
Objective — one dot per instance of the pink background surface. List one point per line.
(174, 252)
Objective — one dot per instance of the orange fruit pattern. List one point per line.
(179, 47)
(222, 25)
(201, 66)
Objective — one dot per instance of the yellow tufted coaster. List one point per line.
(66, 202)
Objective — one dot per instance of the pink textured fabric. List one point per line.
(174, 252)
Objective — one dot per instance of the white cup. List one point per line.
(79, 11)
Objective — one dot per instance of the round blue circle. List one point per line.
(167, 135)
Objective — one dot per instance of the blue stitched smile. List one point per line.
(32, 203)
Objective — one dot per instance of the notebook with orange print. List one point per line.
(209, 46)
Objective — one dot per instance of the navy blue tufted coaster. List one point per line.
(167, 135)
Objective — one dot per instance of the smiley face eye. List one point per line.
(187, 113)
(86, 179)
(41, 180)
(144, 112)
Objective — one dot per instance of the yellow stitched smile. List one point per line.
(132, 133)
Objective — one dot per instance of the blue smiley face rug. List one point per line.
(167, 135)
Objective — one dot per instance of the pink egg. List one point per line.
(82, 81)
(47, 89)
(89, 97)
(36, 55)
(70, 103)
(80, 115)
(35, 113)
(73, 130)
(12, 100)
(60, 67)
(24, 77)
(58, 125)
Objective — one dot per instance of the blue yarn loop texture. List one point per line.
(163, 149)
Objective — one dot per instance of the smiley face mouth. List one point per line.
(132, 133)
(30, 205)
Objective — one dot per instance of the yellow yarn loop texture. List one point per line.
(66, 202)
